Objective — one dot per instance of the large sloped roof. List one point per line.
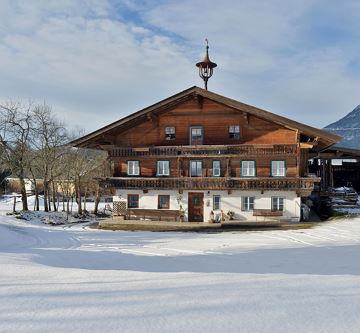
(91, 139)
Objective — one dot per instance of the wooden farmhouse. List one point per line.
(197, 155)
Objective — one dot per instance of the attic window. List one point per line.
(170, 133)
(234, 132)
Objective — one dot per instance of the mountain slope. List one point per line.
(349, 128)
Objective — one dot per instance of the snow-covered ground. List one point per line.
(72, 278)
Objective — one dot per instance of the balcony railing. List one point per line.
(303, 184)
(205, 150)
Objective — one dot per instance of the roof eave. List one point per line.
(328, 138)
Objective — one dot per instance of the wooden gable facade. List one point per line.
(197, 129)
(257, 139)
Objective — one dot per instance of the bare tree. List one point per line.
(15, 132)
(65, 178)
(101, 170)
(33, 170)
(86, 165)
(48, 140)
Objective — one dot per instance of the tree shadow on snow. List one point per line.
(59, 249)
(340, 260)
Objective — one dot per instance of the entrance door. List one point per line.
(196, 207)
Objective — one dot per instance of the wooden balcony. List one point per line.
(303, 185)
(205, 151)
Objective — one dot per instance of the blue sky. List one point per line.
(96, 61)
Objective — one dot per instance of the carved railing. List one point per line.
(304, 184)
(209, 150)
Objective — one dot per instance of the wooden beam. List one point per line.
(200, 101)
(246, 117)
(196, 113)
(178, 167)
(325, 156)
(144, 149)
(306, 145)
(298, 156)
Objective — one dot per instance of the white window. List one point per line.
(277, 203)
(247, 203)
(196, 135)
(234, 132)
(278, 168)
(216, 169)
(170, 133)
(248, 168)
(216, 202)
(195, 168)
(163, 168)
(133, 168)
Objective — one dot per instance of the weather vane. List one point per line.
(206, 66)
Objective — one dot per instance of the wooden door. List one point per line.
(196, 207)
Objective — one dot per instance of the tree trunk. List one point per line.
(49, 197)
(79, 202)
(14, 204)
(37, 203)
(36, 192)
(53, 196)
(23, 194)
(78, 197)
(46, 208)
(85, 194)
(97, 199)
(67, 207)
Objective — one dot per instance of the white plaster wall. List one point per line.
(149, 200)
(232, 202)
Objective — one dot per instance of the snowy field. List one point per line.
(76, 279)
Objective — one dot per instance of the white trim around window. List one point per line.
(196, 135)
(248, 169)
(170, 133)
(277, 204)
(247, 203)
(195, 169)
(133, 168)
(278, 169)
(234, 132)
(216, 202)
(216, 170)
(163, 168)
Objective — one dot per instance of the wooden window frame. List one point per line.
(167, 196)
(170, 136)
(278, 204)
(137, 200)
(233, 134)
(271, 168)
(202, 134)
(127, 168)
(242, 168)
(214, 202)
(157, 168)
(197, 161)
(246, 203)
(213, 174)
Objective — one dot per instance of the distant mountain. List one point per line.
(349, 128)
